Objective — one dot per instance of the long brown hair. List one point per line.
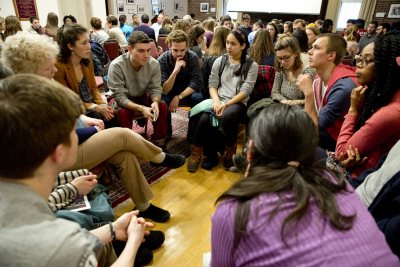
(262, 46)
(13, 25)
(218, 43)
(271, 173)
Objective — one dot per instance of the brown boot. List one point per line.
(229, 152)
(195, 158)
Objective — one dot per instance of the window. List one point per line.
(349, 9)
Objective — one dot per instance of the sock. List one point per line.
(158, 158)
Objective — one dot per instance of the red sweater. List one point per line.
(375, 138)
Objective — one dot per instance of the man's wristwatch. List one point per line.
(180, 97)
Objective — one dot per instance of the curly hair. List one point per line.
(69, 35)
(262, 46)
(177, 36)
(194, 33)
(387, 79)
(25, 52)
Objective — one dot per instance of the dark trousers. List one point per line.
(202, 133)
(107, 123)
(191, 101)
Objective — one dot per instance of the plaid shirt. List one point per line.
(189, 76)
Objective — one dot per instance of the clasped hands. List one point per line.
(152, 112)
(219, 107)
(353, 158)
(131, 226)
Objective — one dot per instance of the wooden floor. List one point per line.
(190, 198)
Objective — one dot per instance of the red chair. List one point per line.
(153, 50)
(162, 41)
(112, 48)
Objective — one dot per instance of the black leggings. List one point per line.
(202, 133)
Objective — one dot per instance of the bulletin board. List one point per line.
(24, 9)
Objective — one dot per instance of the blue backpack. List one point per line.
(99, 52)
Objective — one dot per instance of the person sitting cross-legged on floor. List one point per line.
(180, 74)
(135, 80)
(372, 123)
(119, 147)
(232, 79)
(327, 98)
(27, 173)
(290, 210)
(72, 184)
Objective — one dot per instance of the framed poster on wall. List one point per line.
(24, 9)
(394, 11)
(140, 9)
(204, 7)
(120, 7)
(156, 10)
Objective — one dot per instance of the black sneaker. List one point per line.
(172, 161)
(154, 240)
(210, 162)
(155, 213)
(143, 257)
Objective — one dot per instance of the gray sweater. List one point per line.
(128, 84)
(230, 83)
(374, 182)
(32, 236)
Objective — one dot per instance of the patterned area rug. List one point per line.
(177, 145)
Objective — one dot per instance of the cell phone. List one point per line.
(155, 116)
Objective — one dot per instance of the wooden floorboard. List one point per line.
(190, 198)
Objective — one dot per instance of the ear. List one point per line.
(129, 48)
(58, 154)
(332, 56)
(250, 150)
(70, 46)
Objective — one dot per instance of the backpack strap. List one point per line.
(222, 67)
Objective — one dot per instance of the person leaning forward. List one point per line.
(134, 78)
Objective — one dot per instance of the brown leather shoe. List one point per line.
(195, 158)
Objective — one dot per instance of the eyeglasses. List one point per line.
(363, 61)
(285, 59)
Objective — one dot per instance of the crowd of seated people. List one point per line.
(334, 96)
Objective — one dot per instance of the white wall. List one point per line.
(275, 6)
(73, 7)
(99, 9)
(43, 7)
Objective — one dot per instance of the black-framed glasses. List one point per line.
(363, 61)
